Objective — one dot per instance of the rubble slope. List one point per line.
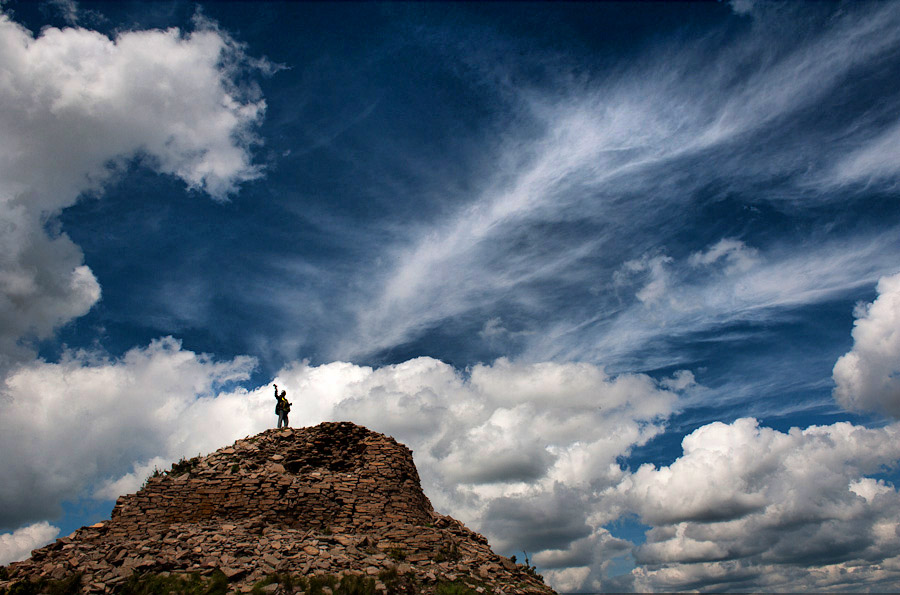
(332, 500)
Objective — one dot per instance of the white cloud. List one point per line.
(725, 284)
(738, 256)
(681, 380)
(17, 545)
(618, 155)
(501, 439)
(774, 509)
(655, 278)
(875, 160)
(747, 504)
(596, 549)
(68, 10)
(495, 333)
(131, 482)
(76, 106)
(489, 443)
(43, 281)
(568, 579)
(742, 501)
(868, 376)
(742, 7)
(76, 100)
(82, 423)
(702, 485)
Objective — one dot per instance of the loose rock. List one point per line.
(334, 499)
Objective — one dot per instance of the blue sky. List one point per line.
(624, 276)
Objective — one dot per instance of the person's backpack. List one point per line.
(281, 402)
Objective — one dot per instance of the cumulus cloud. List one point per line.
(565, 568)
(517, 450)
(500, 440)
(747, 505)
(868, 376)
(77, 106)
(43, 281)
(549, 520)
(744, 503)
(17, 545)
(568, 579)
(162, 95)
(98, 424)
(110, 489)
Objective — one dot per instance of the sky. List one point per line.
(625, 277)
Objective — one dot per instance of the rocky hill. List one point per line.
(333, 508)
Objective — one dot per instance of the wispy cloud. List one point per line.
(566, 240)
(873, 161)
(717, 291)
(601, 181)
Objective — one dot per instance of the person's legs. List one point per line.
(280, 420)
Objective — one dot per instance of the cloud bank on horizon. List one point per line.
(607, 297)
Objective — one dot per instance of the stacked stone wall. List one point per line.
(330, 476)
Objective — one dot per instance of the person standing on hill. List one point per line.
(282, 407)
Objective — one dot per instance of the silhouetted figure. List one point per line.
(282, 408)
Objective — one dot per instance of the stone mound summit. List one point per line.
(328, 503)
